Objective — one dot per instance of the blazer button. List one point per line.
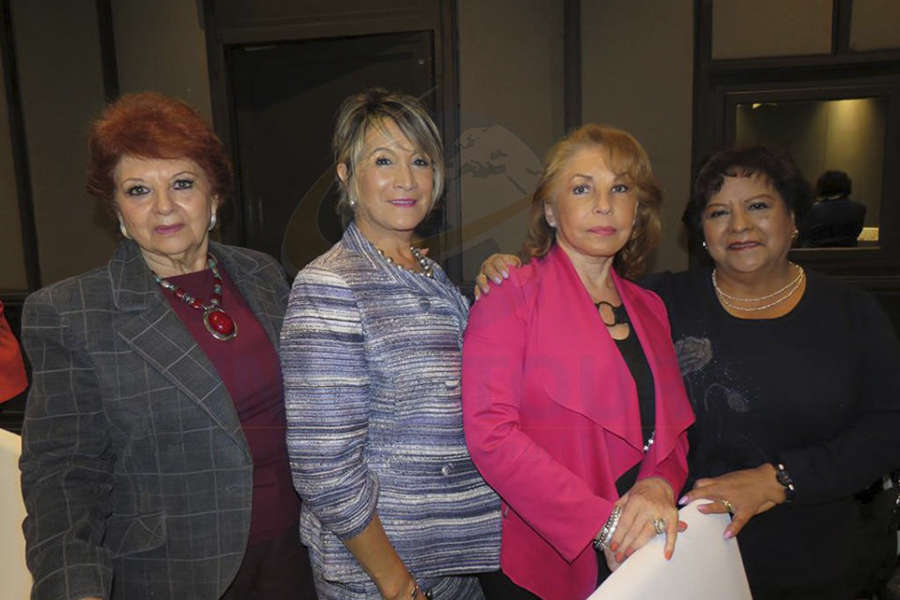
(425, 304)
(447, 470)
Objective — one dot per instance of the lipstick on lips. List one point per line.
(168, 229)
(603, 230)
(742, 245)
(403, 202)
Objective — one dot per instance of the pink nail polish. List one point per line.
(728, 534)
(682, 501)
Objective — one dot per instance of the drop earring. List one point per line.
(123, 231)
(703, 243)
(212, 222)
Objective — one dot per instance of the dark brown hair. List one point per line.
(777, 167)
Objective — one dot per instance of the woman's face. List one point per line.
(165, 205)
(748, 227)
(393, 184)
(592, 209)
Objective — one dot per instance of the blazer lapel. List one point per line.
(259, 294)
(673, 413)
(595, 382)
(153, 330)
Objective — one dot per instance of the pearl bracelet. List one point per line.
(603, 539)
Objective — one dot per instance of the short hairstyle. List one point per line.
(372, 108)
(151, 125)
(834, 184)
(776, 166)
(624, 156)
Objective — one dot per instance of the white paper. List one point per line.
(705, 566)
(13, 572)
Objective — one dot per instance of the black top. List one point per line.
(836, 222)
(817, 389)
(633, 354)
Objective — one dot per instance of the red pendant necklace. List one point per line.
(218, 323)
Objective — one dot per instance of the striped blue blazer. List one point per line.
(371, 357)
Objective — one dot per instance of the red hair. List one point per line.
(151, 125)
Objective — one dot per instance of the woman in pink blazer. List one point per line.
(573, 403)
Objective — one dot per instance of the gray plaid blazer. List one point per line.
(135, 471)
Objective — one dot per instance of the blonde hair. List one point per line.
(372, 108)
(624, 156)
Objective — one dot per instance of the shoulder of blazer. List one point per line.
(68, 294)
(252, 263)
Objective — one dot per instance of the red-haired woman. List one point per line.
(154, 461)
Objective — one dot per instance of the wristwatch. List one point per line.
(784, 478)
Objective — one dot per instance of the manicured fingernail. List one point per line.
(728, 534)
(620, 557)
(682, 501)
(668, 555)
(505, 274)
(613, 546)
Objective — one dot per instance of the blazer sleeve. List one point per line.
(326, 388)
(869, 447)
(552, 499)
(66, 462)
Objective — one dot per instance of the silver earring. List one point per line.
(352, 203)
(123, 230)
(703, 243)
(212, 222)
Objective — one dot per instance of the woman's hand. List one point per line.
(611, 561)
(648, 500)
(405, 592)
(494, 268)
(748, 492)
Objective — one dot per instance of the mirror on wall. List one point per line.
(839, 145)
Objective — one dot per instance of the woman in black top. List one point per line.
(794, 380)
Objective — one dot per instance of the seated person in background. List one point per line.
(835, 220)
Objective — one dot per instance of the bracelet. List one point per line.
(601, 542)
(416, 590)
(784, 478)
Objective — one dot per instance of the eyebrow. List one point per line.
(581, 175)
(178, 174)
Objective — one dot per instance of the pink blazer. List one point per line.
(551, 417)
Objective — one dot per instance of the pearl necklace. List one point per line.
(787, 290)
(427, 270)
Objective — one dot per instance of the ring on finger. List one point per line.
(659, 525)
(728, 505)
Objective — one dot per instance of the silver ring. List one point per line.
(659, 525)
(728, 506)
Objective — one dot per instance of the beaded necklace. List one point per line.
(427, 270)
(218, 323)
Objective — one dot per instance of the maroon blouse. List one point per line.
(251, 371)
